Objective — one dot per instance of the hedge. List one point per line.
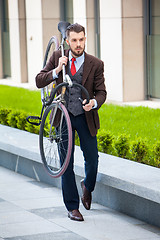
(17, 119)
(138, 150)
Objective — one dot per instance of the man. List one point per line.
(88, 71)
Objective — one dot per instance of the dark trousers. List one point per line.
(88, 145)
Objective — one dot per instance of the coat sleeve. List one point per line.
(95, 84)
(99, 84)
(44, 77)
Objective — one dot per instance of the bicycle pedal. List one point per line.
(31, 120)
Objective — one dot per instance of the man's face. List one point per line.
(76, 42)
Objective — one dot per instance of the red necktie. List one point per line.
(73, 68)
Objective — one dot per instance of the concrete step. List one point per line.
(123, 185)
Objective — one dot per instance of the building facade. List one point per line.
(123, 33)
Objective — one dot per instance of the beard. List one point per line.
(77, 52)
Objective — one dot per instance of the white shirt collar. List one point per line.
(78, 59)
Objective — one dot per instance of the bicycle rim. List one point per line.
(55, 139)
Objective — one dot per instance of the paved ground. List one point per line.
(30, 210)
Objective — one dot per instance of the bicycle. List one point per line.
(55, 136)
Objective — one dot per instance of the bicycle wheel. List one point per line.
(51, 47)
(55, 139)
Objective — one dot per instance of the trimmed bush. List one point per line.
(32, 128)
(3, 116)
(156, 154)
(105, 140)
(139, 150)
(17, 119)
(21, 120)
(122, 145)
(77, 142)
(12, 118)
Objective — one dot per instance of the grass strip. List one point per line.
(20, 99)
(142, 122)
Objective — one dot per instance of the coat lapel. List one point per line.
(86, 68)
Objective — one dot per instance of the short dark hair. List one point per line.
(74, 28)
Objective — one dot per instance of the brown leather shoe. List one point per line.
(75, 215)
(87, 196)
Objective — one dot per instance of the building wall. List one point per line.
(32, 23)
(133, 50)
(122, 48)
(14, 32)
(90, 25)
(111, 47)
(50, 20)
(23, 41)
(34, 38)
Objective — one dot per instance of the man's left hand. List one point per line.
(87, 107)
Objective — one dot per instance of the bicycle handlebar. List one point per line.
(84, 90)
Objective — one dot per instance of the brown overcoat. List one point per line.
(92, 80)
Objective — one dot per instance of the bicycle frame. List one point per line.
(62, 28)
(67, 82)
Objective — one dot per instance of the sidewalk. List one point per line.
(144, 103)
(31, 210)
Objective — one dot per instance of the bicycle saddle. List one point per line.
(62, 26)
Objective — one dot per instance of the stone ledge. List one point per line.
(123, 185)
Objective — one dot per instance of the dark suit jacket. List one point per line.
(92, 80)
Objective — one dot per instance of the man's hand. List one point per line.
(62, 60)
(88, 106)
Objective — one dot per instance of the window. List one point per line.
(97, 27)
(153, 48)
(66, 7)
(4, 34)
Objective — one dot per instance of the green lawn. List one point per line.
(134, 121)
(20, 99)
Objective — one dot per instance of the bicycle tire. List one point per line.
(55, 139)
(53, 45)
